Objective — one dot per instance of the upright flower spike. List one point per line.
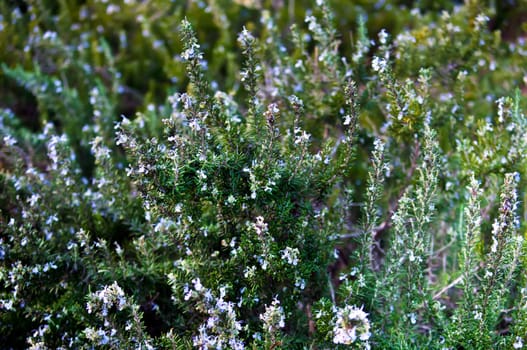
(376, 178)
(193, 57)
(273, 318)
(351, 119)
(250, 76)
(504, 228)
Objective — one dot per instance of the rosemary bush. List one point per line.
(298, 189)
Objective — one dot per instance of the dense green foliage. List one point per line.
(262, 174)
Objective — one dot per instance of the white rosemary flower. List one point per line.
(290, 255)
(351, 323)
(383, 36)
(9, 140)
(245, 38)
(480, 21)
(518, 344)
(379, 64)
(273, 317)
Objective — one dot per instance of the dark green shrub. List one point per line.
(302, 190)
